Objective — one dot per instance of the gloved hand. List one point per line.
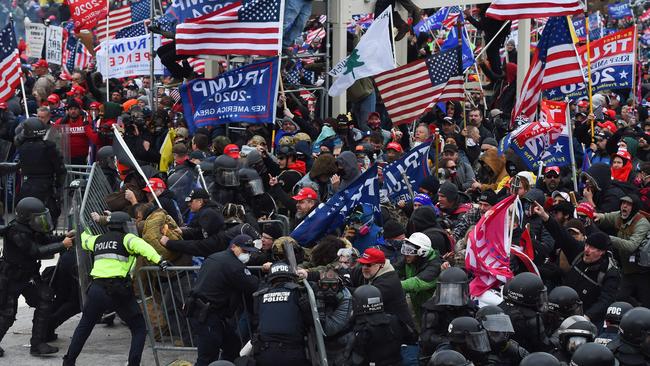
(163, 264)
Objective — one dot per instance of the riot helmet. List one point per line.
(635, 328)
(251, 181)
(367, 299)
(563, 301)
(448, 357)
(106, 157)
(452, 288)
(33, 128)
(469, 334)
(225, 171)
(329, 285)
(281, 270)
(616, 311)
(497, 324)
(540, 359)
(118, 220)
(593, 354)
(32, 212)
(575, 331)
(418, 244)
(527, 289)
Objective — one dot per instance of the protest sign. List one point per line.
(246, 94)
(128, 57)
(35, 35)
(54, 45)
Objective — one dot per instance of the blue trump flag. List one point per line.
(416, 167)
(332, 214)
(433, 22)
(539, 142)
(452, 41)
(619, 10)
(246, 94)
(187, 9)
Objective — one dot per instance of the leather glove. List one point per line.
(163, 264)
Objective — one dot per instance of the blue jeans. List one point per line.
(410, 354)
(362, 110)
(296, 14)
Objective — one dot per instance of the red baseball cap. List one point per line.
(95, 105)
(552, 168)
(231, 150)
(624, 154)
(372, 256)
(3, 105)
(586, 209)
(583, 104)
(54, 98)
(395, 146)
(76, 89)
(155, 183)
(608, 125)
(40, 63)
(305, 193)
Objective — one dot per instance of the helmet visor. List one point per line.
(453, 294)
(542, 301)
(498, 323)
(409, 249)
(227, 177)
(575, 342)
(41, 222)
(478, 342)
(256, 186)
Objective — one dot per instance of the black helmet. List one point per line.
(281, 270)
(526, 289)
(105, 155)
(33, 128)
(616, 311)
(285, 151)
(31, 211)
(448, 357)
(565, 301)
(468, 332)
(497, 324)
(539, 359)
(452, 288)
(117, 221)
(575, 331)
(251, 181)
(221, 363)
(367, 299)
(225, 171)
(635, 326)
(593, 354)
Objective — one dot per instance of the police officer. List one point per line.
(613, 318)
(27, 240)
(281, 320)
(467, 336)
(540, 359)
(574, 331)
(632, 348)
(505, 351)
(41, 165)
(449, 301)
(377, 336)
(216, 295)
(334, 305)
(525, 301)
(226, 180)
(563, 301)
(447, 357)
(593, 354)
(114, 255)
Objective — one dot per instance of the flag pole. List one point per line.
(108, 52)
(492, 40)
(20, 69)
(589, 91)
(152, 56)
(459, 35)
(569, 127)
(635, 82)
(436, 136)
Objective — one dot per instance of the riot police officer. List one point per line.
(377, 336)
(633, 346)
(27, 240)
(280, 319)
(563, 301)
(449, 301)
(574, 331)
(613, 318)
(467, 336)
(593, 354)
(226, 180)
(505, 351)
(114, 254)
(447, 357)
(525, 301)
(334, 305)
(41, 165)
(540, 359)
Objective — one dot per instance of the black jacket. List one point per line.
(24, 248)
(608, 196)
(168, 201)
(201, 237)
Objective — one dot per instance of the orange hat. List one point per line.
(128, 104)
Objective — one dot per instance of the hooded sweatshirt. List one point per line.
(608, 197)
(497, 164)
(347, 162)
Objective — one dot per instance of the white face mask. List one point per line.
(244, 257)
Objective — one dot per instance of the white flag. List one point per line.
(372, 55)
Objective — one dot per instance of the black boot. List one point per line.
(2, 352)
(67, 362)
(42, 349)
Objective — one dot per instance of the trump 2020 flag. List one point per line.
(246, 94)
(537, 143)
(414, 166)
(372, 55)
(488, 247)
(330, 215)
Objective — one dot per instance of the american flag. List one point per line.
(198, 65)
(312, 35)
(248, 27)
(310, 98)
(135, 30)
(75, 54)
(522, 9)
(555, 63)
(10, 71)
(412, 89)
(122, 17)
(452, 17)
(175, 94)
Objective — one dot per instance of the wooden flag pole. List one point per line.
(20, 70)
(589, 86)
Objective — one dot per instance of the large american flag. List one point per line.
(248, 27)
(452, 17)
(522, 9)
(412, 89)
(122, 17)
(75, 54)
(555, 63)
(10, 71)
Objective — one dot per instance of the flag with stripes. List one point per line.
(135, 30)
(555, 63)
(413, 89)
(523, 9)
(452, 17)
(75, 54)
(247, 27)
(122, 17)
(10, 71)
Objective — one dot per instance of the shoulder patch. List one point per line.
(247, 272)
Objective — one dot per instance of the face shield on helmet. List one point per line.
(542, 301)
(409, 249)
(574, 342)
(256, 187)
(227, 177)
(41, 222)
(452, 294)
(478, 342)
(499, 328)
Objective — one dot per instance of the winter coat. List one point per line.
(608, 196)
(419, 279)
(629, 235)
(348, 162)
(153, 231)
(497, 164)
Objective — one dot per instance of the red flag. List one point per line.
(488, 248)
(553, 111)
(526, 243)
(86, 13)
